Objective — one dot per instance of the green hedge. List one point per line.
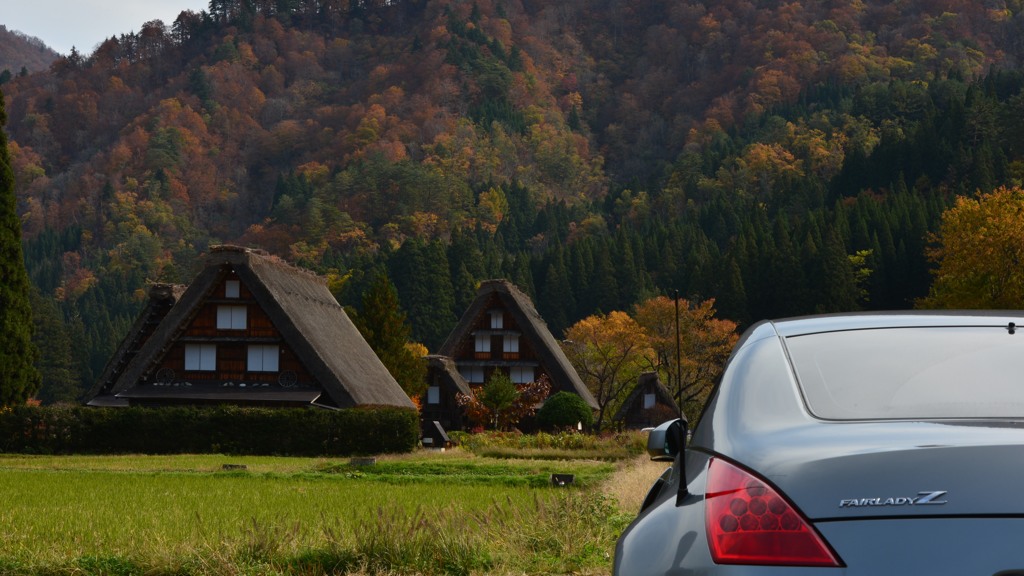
(224, 430)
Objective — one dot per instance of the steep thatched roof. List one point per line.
(449, 372)
(162, 297)
(646, 381)
(534, 329)
(305, 312)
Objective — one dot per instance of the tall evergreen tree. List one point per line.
(383, 325)
(423, 279)
(57, 365)
(838, 289)
(556, 298)
(467, 267)
(605, 284)
(19, 377)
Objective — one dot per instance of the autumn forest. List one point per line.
(780, 158)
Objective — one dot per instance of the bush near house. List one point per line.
(229, 430)
(564, 410)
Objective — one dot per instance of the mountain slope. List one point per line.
(18, 51)
(594, 152)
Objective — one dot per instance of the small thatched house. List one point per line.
(444, 383)
(502, 330)
(648, 404)
(249, 330)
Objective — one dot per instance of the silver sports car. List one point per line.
(862, 444)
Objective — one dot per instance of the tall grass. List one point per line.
(181, 516)
(560, 446)
(477, 471)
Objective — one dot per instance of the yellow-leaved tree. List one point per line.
(979, 252)
(609, 352)
(705, 343)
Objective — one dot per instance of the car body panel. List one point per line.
(933, 546)
(897, 461)
(856, 481)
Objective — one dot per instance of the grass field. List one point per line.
(425, 513)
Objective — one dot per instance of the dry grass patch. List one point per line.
(628, 485)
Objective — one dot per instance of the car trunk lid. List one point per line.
(895, 469)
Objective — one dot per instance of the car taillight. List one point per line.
(748, 522)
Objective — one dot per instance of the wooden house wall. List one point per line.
(447, 411)
(637, 417)
(233, 345)
(497, 356)
(232, 358)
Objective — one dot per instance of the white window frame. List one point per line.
(497, 319)
(649, 401)
(434, 395)
(232, 289)
(201, 357)
(231, 317)
(472, 374)
(264, 358)
(483, 342)
(512, 343)
(521, 374)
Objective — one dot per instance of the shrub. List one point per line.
(500, 403)
(565, 410)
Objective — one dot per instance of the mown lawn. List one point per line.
(426, 513)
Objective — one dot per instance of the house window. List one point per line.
(434, 395)
(263, 358)
(232, 289)
(201, 357)
(497, 320)
(231, 317)
(648, 401)
(521, 374)
(511, 343)
(483, 342)
(472, 374)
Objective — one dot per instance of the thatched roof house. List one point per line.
(249, 330)
(648, 404)
(444, 384)
(502, 330)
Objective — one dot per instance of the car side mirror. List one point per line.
(666, 441)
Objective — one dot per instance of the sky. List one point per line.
(84, 24)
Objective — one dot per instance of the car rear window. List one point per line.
(911, 373)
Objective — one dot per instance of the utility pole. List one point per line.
(679, 361)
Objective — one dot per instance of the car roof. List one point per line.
(901, 319)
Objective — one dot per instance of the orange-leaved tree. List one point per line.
(979, 252)
(705, 343)
(609, 352)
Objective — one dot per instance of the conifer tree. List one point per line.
(466, 263)
(423, 280)
(838, 288)
(57, 366)
(383, 325)
(556, 297)
(605, 284)
(19, 378)
(522, 276)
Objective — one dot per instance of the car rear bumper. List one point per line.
(671, 540)
(954, 546)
